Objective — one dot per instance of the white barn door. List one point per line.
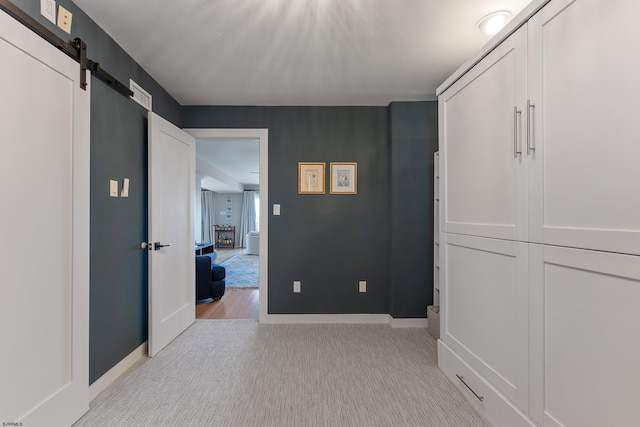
(172, 174)
(44, 229)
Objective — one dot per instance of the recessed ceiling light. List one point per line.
(493, 22)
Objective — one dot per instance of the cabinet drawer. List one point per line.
(486, 400)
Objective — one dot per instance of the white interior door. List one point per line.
(171, 232)
(44, 224)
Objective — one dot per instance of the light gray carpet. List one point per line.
(242, 271)
(241, 373)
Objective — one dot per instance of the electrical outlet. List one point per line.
(296, 286)
(48, 10)
(64, 19)
(362, 286)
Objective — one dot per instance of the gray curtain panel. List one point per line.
(247, 217)
(208, 216)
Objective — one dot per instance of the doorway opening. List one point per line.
(228, 231)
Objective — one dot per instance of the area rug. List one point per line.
(242, 271)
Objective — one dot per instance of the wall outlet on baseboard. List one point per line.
(296, 286)
(362, 286)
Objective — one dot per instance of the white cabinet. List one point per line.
(483, 170)
(540, 133)
(485, 309)
(583, 81)
(540, 219)
(585, 345)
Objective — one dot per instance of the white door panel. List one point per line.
(44, 224)
(587, 304)
(485, 309)
(585, 178)
(171, 205)
(484, 174)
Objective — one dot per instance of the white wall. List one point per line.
(236, 205)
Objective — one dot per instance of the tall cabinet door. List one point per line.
(485, 309)
(583, 86)
(484, 170)
(585, 333)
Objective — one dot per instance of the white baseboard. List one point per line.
(326, 318)
(408, 323)
(114, 373)
(384, 319)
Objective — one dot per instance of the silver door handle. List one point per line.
(516, 151)
(145, 245)
(530, 116)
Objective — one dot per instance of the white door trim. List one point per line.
(263, 136)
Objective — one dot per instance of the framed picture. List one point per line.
(310, 178)
(344, 178)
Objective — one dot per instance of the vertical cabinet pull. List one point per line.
(516, 150)
(461, 378)
(530, 146)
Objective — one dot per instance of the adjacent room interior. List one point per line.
(228, 228)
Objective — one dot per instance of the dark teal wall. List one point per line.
(328, 242)
(118, 293)
(414, 139)
(383, 235)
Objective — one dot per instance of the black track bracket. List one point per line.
(76, 49)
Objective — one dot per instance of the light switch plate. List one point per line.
(276, 209)
(113, 188)
(48, 10)
(125, 188)
(64, 19)
(296, 286)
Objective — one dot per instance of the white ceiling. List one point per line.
(297, 52)
(294, 52)
(234, 164)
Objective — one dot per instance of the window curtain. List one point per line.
(247, 217)
(208, 216)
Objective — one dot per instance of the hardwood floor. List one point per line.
(225, 254)
(237, 303)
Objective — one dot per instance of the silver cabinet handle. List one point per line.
(530, 146)
(461, 378)
(516, 151)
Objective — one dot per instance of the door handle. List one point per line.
(145, 245)
(530, 116)
(157, 246)
(516, 151)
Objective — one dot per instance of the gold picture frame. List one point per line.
(311, 178)
(344, 178)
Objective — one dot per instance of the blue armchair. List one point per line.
(210, 278)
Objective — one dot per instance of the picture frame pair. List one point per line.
(344, 178)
